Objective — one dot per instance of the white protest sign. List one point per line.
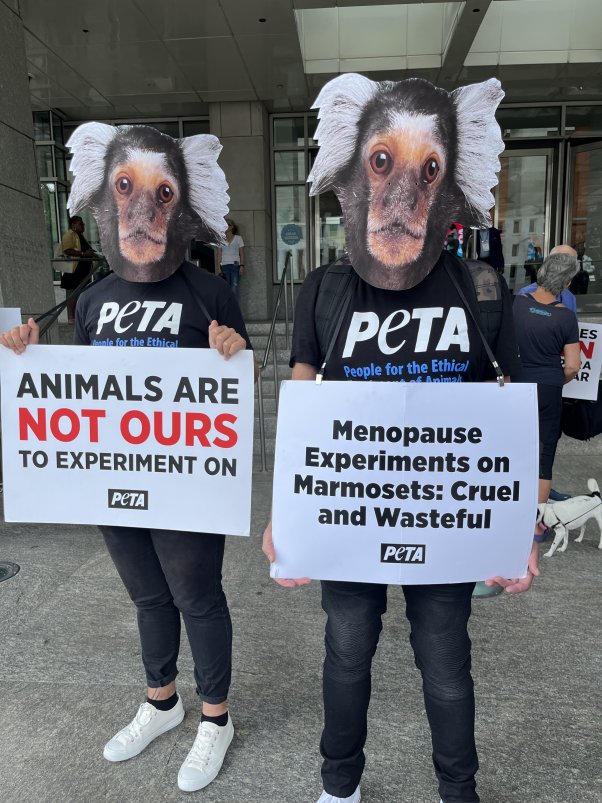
(9, 317)
(140, 437)
(585, 384)
(404, 483)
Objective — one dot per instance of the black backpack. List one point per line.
(340, 280)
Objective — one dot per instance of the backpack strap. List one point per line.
(486, 346)
(340, 280)
(334, 297)
(196, 296)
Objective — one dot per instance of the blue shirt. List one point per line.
(565, 297)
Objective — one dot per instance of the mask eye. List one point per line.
(430, 171)
(165, 194)
(123, 185)
(381, 163)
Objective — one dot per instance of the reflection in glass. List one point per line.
(291, 229)
(586, 223)
(521, 215)
(529, 122)
(584, 119)
(44, 161)
(289, 166)
(288, 131)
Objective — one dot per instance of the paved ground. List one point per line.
(70, 677)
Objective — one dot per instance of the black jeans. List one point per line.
(168, 573)
(438, 616)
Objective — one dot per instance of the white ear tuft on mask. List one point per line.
(341, 103)
(479, 145)
(88, 144)
(207, 183)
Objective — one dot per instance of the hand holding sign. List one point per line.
(520, 584)
(268, 550)
(226, 340)
(18, 338)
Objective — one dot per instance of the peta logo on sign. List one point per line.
(402, 553)
(131, 500)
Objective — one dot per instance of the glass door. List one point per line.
(583, 225)
(522, 212)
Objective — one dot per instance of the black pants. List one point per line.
(438, 616)
(549, 405)
(168, 573)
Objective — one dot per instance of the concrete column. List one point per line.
(25, 270)
(243, 131)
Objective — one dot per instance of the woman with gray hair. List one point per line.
(547, 333)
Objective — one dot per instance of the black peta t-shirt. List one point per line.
(542, 331)
(115, 312)
(423, 334)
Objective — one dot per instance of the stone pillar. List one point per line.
(242, 128)
(25, 270)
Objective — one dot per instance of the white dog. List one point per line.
(570, 514)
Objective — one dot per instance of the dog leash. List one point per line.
(566, 524)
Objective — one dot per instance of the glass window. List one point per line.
(62, 195)
(531, 122)
(192, 127)
(288, 131)
(584, 119)
(48, 192)
(291, 230)
(289, 165)
(41, 126)
(57, 129)
(59, 161)
(172, 128)
(312, 124)
(68, 129)
(586, 229)
(44, 161)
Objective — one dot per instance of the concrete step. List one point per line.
(263, 328)
(269, 406)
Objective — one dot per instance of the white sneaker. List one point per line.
(206, 757)
(148, 723)
(354, 798)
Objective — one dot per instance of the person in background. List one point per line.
(452, 243)
(547, 333)
(489, 248)
(565, 296)
(74, 245)
(231, 257)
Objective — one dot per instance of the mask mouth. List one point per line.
(396, 229)
(139, 235)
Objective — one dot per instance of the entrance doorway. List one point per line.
(583, 220)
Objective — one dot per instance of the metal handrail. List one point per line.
(271, 345)
(53, 313)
